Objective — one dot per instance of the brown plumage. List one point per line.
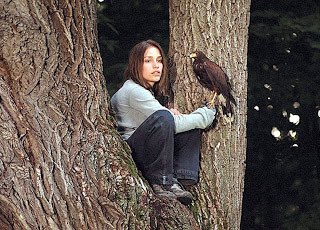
(212, 77)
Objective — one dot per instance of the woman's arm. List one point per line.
(199, 119)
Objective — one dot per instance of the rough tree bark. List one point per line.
(220, 30)
(56, 139)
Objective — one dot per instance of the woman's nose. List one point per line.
(156, 64)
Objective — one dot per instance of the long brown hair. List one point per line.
(135, 66)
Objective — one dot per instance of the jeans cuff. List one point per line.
(186, 174)
(162, 180)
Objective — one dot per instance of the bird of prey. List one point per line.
(212, 77)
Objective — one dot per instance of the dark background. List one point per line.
(282, 174)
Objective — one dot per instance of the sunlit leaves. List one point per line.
(294, 119)
(276, 133)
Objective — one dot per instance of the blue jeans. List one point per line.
(162, 155)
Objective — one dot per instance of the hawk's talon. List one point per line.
(211, 103)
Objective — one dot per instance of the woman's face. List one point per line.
(152, 65)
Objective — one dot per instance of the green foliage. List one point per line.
(106, 28)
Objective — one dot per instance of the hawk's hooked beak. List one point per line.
(193, 55)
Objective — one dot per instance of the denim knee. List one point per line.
(165, 119)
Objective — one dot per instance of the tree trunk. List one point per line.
(220, 30)
(62, 164)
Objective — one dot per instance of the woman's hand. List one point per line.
(175, 111)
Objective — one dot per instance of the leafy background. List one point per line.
(282, 176)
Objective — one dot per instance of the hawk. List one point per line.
(212, 77)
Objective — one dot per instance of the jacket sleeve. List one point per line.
(199, 119)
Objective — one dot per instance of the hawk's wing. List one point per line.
(218, 78)
(201, 72)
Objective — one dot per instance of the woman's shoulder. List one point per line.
(128, 86)
(134, 88)
(133, 91)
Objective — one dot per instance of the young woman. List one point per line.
(165, 144)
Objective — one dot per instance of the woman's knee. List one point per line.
(165, 119)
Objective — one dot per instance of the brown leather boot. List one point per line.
(183, 196)
(161, 190)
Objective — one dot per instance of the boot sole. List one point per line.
(185, 200)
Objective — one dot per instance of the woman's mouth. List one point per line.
(156, 73)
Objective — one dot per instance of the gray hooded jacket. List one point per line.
(133, 104)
